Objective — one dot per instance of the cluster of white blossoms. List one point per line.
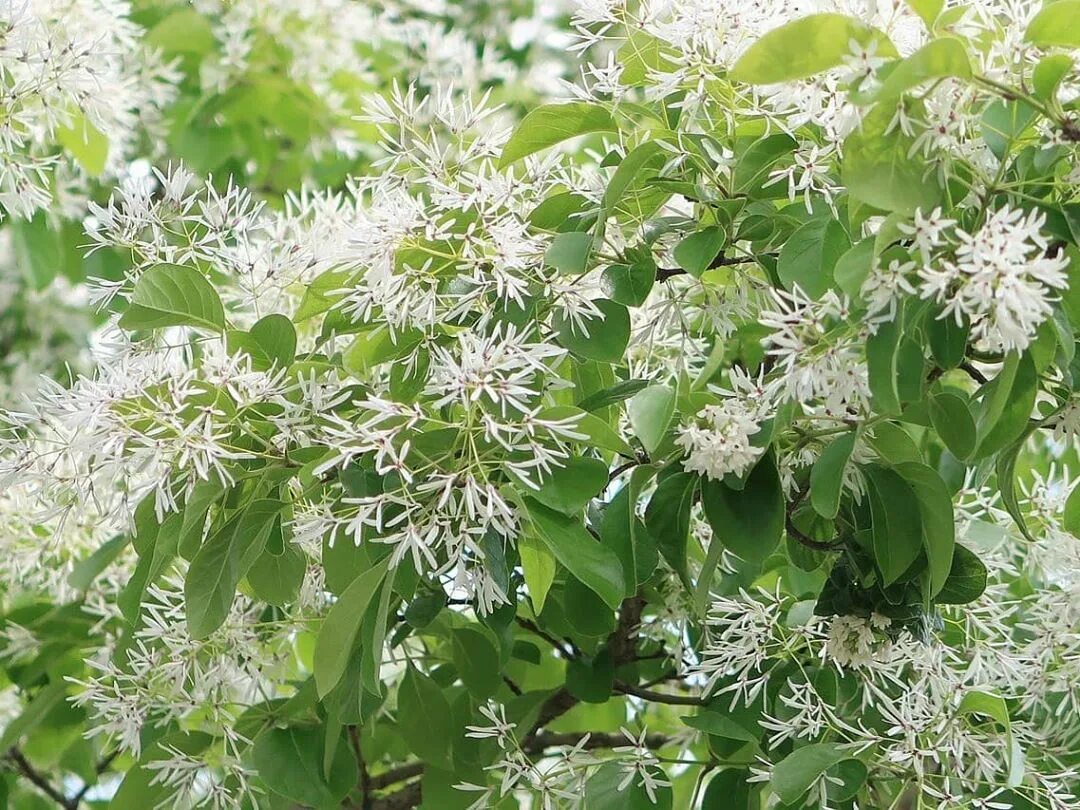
(722, 445)
(74, 74)
(1003, 279)
(916, 689)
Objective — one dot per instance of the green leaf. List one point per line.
(598, 432)
(827, 476)
(667, 518)
(952, 419)
(801, 48)
(695, 253)
(1005, 471)
(337, 637)
(37, 249)
(566, 538)
(378, 346)
(276, 578)
(602, 792)
(1006, 404)
(650, 411)
(275, 337)
(538, 568)
(613, 395)
(796, 773)
(591, 679)
(928, 10)
(967, 579)
(173, 295)
(808, 257)
(569, 252)
(1071, 520)
(1048, 75)
(936, 518)
(716, 724)
(937, 59)
(948, 341)
(554, 123)
(85, 571)
(641, 157)
(423, 718)
(321, 294)
(750, 521)
(753, 166)
(878, 167)
(222, 562)
(477, 660)
(568, 489)
(1004, 123)
(1056, 25)
(623, 531)
(602, 338)
(290, 762)
(36, 710)
(85, 143)
(882, 358)
(629, 284)
(897, 531)
(854, 266)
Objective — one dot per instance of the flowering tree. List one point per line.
(699, 440)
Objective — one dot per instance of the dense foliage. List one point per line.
(498, 405)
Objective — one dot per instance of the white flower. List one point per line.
(722, 445)
(926, 231)
(1003, 279)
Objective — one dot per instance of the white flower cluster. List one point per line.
(74, 72)
(723, 445)
(1003, 279)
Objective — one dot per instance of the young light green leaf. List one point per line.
(937, 59)
(802, 48)
(695, 253)
(553, 123)
(1057, 25)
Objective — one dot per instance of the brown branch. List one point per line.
(361, 766)
(23, 767)
(973, 372)
(658, 697)
(597, 740)
(803, 539)
(392, 777)
(532, 627)
(664, 273)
